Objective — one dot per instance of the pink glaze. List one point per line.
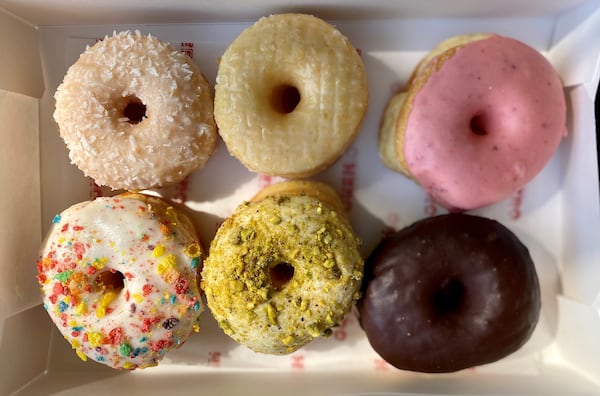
(485, 124)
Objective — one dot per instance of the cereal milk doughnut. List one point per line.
(135, 113)
(291, 95)
(283, 269)
(448, 293)
(479, 118)
(119, 278)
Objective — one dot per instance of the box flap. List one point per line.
(20, 63)
(576, 37)
(581, 272)
(94, 12)
(20, 209)
(577, 336)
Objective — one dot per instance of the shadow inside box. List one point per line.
(221, 176)
(62, 369)
(366, 226)
(208, 347)
(206, 225)
(597, 113)
(370, 230)
(363, 155)
(550, 288)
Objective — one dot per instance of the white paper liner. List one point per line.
(379, 201)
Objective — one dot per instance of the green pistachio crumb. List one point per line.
(303, 305)
(329, 263)
(291, 228)
(329, 319)
(250, 316)
(263, 293)
(313, 330)
(272, 314)
(247, 234)
(236, 285)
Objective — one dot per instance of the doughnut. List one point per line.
(284, 269)
(479, 118)
(119, 278)
(135, 113)
(449, 293)
(290, 96)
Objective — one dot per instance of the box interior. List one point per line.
(559, 217)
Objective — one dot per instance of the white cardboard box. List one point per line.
(557, 215)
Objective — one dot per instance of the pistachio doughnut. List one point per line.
(119, 278)
(291, 95)
(283, 269)
(135, 113)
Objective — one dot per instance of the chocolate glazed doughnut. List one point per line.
(449, 293)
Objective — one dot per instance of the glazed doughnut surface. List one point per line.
(448, 293)
(481, 117)
(135, 113)
(119, 279)
(290, 96)
(282, 271)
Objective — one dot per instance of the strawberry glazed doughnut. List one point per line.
(119, 278)
(284, 269)
(135, 113)
(291, 95)
(480, 117)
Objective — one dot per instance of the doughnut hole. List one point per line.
(133, 109)
(478, 125)
(285, 98)
(280, 275)
(110, 281)
(449, 297)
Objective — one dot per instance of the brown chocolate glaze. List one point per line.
(449, 293)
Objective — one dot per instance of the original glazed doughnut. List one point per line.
(119, 278)
(283, 269)
(135, 113)
(479, 118)
(291, 95)
(449, 293)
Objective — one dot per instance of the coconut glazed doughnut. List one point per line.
(448, 293)
(479, 118)
(284, 269)
(291, 95)
(135, 113)
(119, 278)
